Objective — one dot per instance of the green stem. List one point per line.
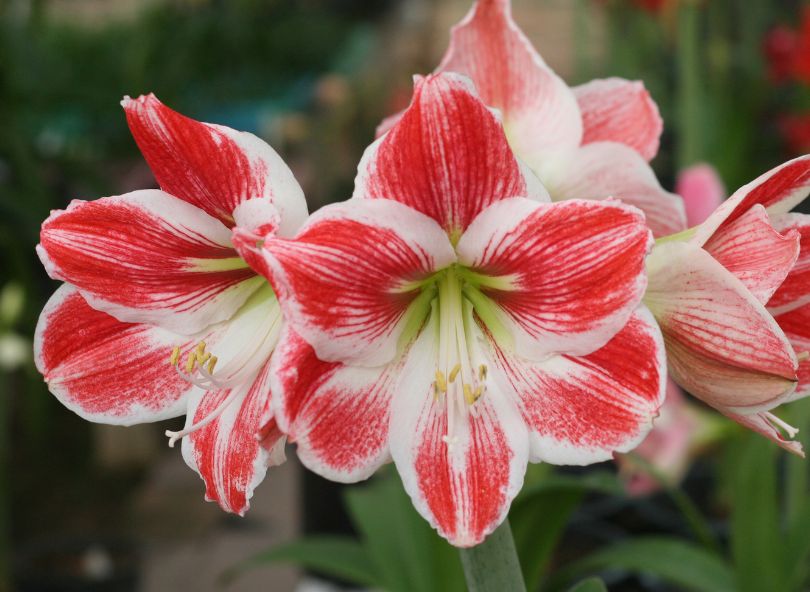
(493, 566)
(690, 116)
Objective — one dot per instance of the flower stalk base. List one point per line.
(493, 566)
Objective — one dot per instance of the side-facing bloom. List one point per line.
(590, 142)
(709, 288)
(159, 316)
(451, 319)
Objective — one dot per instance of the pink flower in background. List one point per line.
(159, 315)
(709, 288)
(449, 318)
(590, 142)
(702, 191)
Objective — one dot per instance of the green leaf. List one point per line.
(407, 552)
(676, 561)
(596, 481)
(590, 585)
(756, 545)
(341, 557)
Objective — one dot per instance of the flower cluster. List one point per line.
(492, 294)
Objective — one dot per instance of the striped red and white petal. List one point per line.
(148, 257)
(722, 344)
(779, 191)
(211, 166)
(794, 292)
(337, 415)
(608, 169)
(566, 277)
(619, 110)
(105, 370)
(796, 325)
(447, 157)
(232, 452)
(540, 112)
(755, 252)
(582, 409)
(462, 465)
(348, 278)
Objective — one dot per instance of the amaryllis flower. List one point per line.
(709, 287)
(449, 318)
(590, 142)
(159, 315)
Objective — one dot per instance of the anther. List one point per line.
(441, 383)
(482, 372)
(192, 359)
(454, 372)
(175, 356)
(469, 396)
(211, 363)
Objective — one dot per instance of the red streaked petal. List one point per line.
(581, 410)
(796, 325)
(763, 423)
(461, 473)
(232, 452)
(779, 190)
(573, 271)
(447, 157)
(211, 166)
(794, 292)
(608, 169)
(758, 255)
(345, 282)
(619, 110)
(104, 370)
(540, 112)
(722, 345)
(148, 257)
(336, 414)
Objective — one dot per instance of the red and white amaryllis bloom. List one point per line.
(709, 288)
(590, 142)
(159, 315)
(450, 318)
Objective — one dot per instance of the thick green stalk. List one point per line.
(493, 566)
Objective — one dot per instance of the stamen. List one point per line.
(175, 356)
(175, 436)
(192, 359)
(482, 372)
(212, 363)
(441, 383)
(454, 372)
(789, 429)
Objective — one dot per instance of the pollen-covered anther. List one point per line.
(198, 368)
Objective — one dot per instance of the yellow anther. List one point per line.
(192, 359)
(454, 372)
(479, 390)
(175, 356)
(201, 347)
(482, 372)
(202, 358)
(469, 396)
(211, 363)
(441, 383)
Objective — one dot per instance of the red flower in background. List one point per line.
(795, 130)
(787, 52)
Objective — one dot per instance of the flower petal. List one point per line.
(722, 345)
(796, 325)
(227, 452)
(347, 280)
(758, 255)
(447, 157)
(148, 257)
(540, 112)
(461, 467)
(336, 414)
(211, 166)
(794, 292)
(571, 273)
(580, 410)
(105, 370)
(778, 190)
(619, 110)
(608, 169)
